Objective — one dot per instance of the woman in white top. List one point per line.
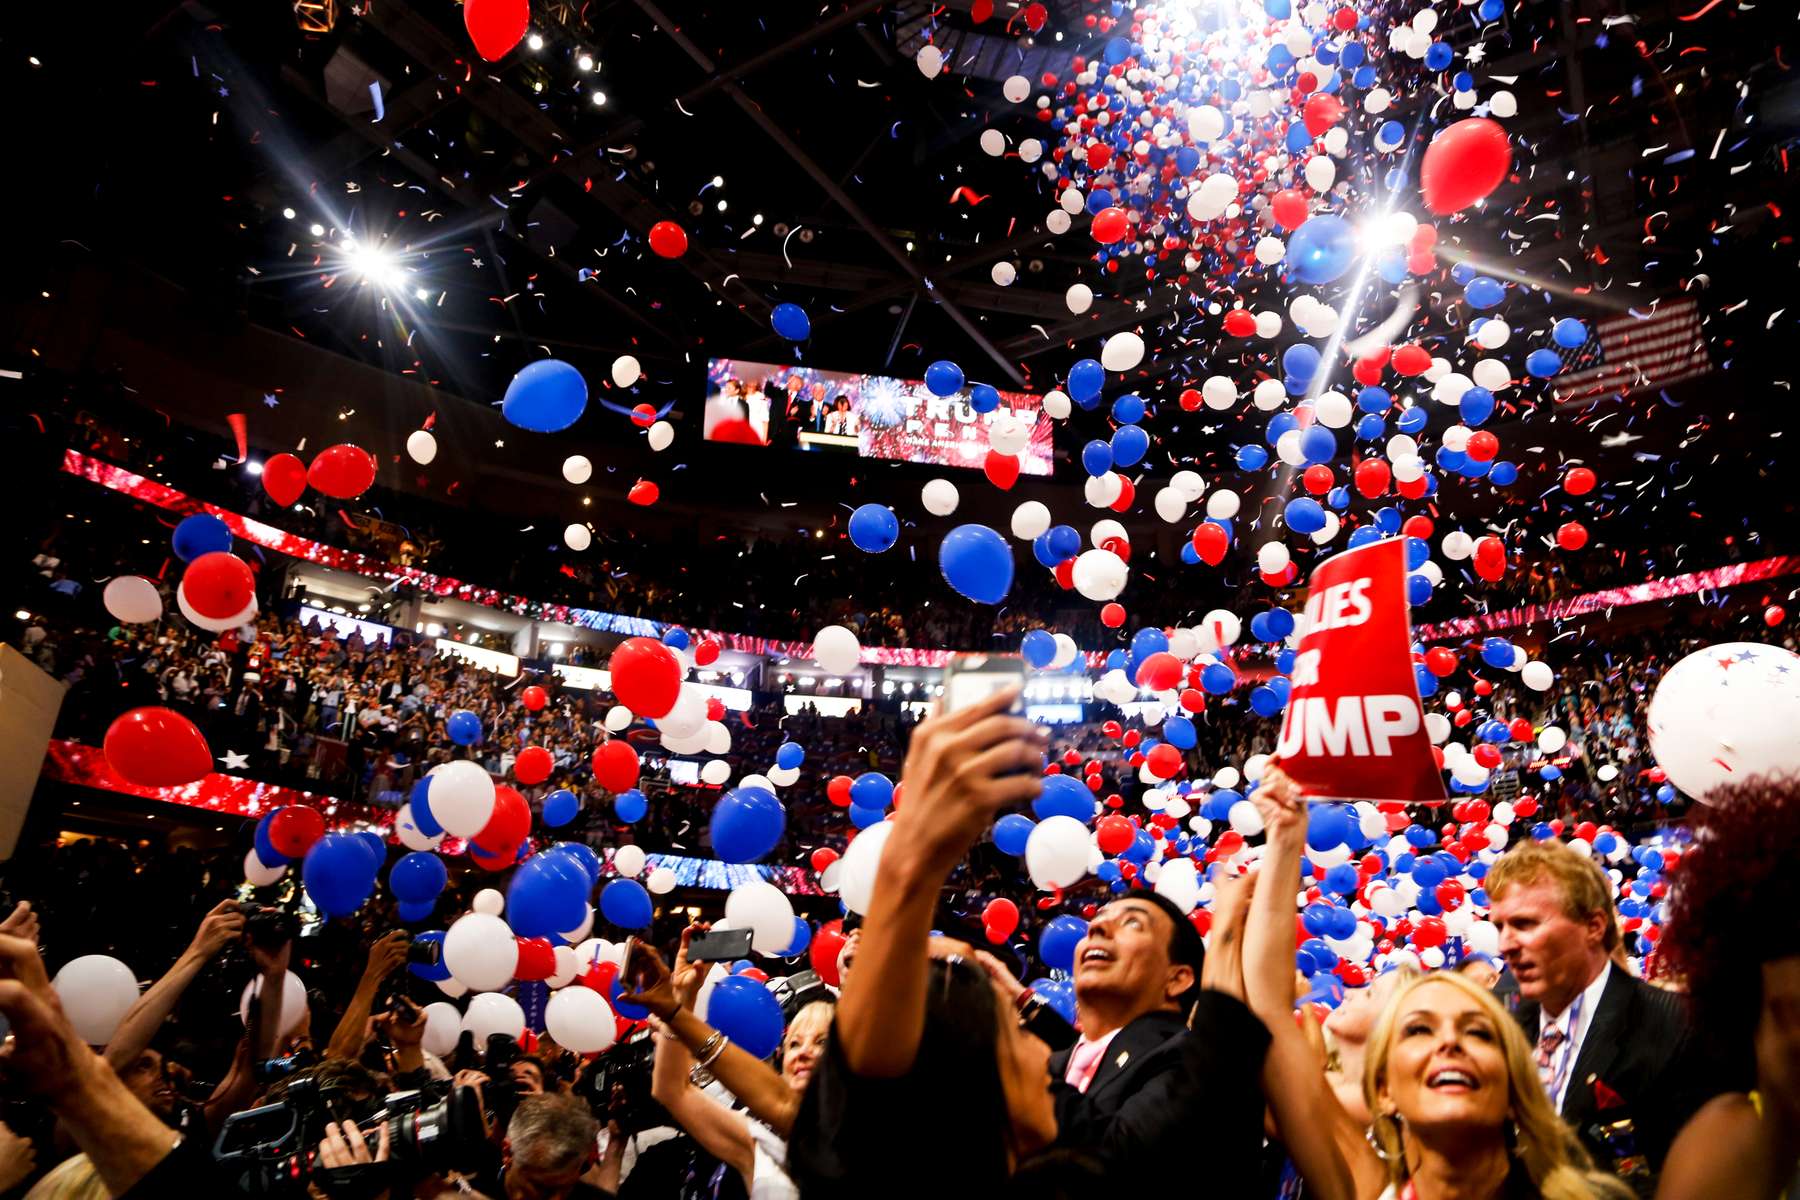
(752, 1142)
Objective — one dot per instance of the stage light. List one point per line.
(421, 293)
(585, 63)
(535, 42)
(757, 219)
(253, 468)
(718, 181)
(598, 98)
(373, 264)
(22, 615)
(318, 230)
(288, 213)
(721, 206)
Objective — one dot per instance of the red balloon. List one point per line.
(295, 828)
(533, 765)
(706, 652)
(493, 863)
(715, 709)
(981, 10)
(616, 766)
(827, 944)
(537, 959)
(1429, 932)
(1126, 498)
(1323, 110)
(1159, 672)
(1487, 754)
(534, 698)
(218, 585)
(646, 676)
(838, 790)
(1463, 164)
(1411, 359)
(1035, 15)
(156, 747)
(342, 472)
(509, 824)
(643, 415)
(1318, 479)
(644, 493)
(1450, 893)
(1290, 213)
(1490, 558)
(1372, 477)
(1109, 225)
(495, 26)
(668, 239)
(1483, 445)
(1193, 700)
(1210, 543)
(1572, 536)
(1114, 834)
(284, 478)
(1579, 481)
(1165, 761)
(1774, 615)
(1112, 614)
(999, 919)
(1440, 661)
(1239, 322)
(823, 857)
(1002, 470)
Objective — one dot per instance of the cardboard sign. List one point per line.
(1354, 727)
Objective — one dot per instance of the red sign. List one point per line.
(1355, 729)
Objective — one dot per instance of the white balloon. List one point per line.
(480, 952)
(716, 771)
(421, 446)
(766, 911)
(462, 798)
(133, 599)
(1079, 298)
(661, 436)
(993, 142)
(687, 719)
(1122, 351)
(1105, 530)
(626, 371)
(407, 830)
(1058, 404)
(718, 738)
(257, 874)
(1205, 123)
(1270, 250)
(1170, 505)
(1100, 575)
(1058, 221)
(1537, 676)
(1551, 739)
(1223, 504)
(1029, 520)
(628, 860)
(1268, 395)
(1503, 104)
(443, 1024)
(452, 989)
(293, 1001)
(212, 624)
(1030, 150)
(96, 991)
(1726, 713)
(1457, 545)
(1321, 173)
(1016, 89)
(491, 1013)
(1066, 650)
(1493, 334)
(1189, 484)
(577, 469)
(1008, 434)
(577, 537)
(784, 776)
(1003, 274)
(836, 650)
(618, 718)
(1056, 853)
(856, 879)
(1179, 883)
(1220, 628)
(930, 61)
(1102, 490)
(939, 497)
(1219, 392)
(581, 1020)
(567, 967)
(1272, 558)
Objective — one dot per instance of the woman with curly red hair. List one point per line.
(1734, 938)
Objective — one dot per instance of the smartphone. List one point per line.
(633, 970)
(971, 678)
(723, 945)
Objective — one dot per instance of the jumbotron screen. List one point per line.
(878, 416)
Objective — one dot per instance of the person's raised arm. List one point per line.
(352, 1033)
(266, 1032)
(22, 922)
(1332, 1154)
(219, 929)
(122, 1138)
(962, 769)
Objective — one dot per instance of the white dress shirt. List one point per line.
(1582, 1009)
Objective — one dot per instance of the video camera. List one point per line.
(626, 1067)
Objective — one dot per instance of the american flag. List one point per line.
(1630, 353)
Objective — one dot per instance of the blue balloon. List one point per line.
(561, 807)
(548, 894)
(1317, 445)
(464, 728)
(421, 809)
(266, 853)
(1180, 733)
(1322, 248)
(1056, 944)
(1265, 701)
(747, 822)
(1476, 406)
(1439, 56)
(1096, 457)
(337, 874)
(583, 856)
(872, 789)
(984, 398)
(1011, 833)
(200, 534)
(624, 902)
(791, 322)
(677, 638)
(1375, 400)
(630, 806)
(1148, 641)
(1418, 589)
(746, 1012)
(433, 971)
(1252, 458)
(1543, 363)
(1503, 474)
(1304, 515)
(942, 378)
(1217, 679)
(1483, 292)
(1129, 445)
(1086, 378)
(1411, 420)
(977, 563)
(789, 755)
(1369, 428)
(1038, 648)
(1059, 994)
(1300, 360)
(874, 528)
(802, 939)
(418, 877)
(546, 397)
(1569, 333)
(1497, 652)
(412, 913)
(1064, 796)
(862, 818)
(1128, 409)
(1065, 541)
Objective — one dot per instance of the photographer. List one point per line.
(755, 1145)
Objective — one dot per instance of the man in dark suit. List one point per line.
(1615, 1054)
(1159, 1060)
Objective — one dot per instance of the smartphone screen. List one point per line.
(725, 945)
(971, 678)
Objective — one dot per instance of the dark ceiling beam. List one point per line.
(820, 176)
(424, 99)
(844, 277)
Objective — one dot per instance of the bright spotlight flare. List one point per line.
(373, 264)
